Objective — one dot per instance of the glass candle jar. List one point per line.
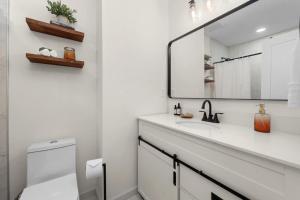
(69, 53)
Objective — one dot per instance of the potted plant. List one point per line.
(64, 14)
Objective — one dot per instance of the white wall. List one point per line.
(188, 66)
(99, 187)
(49, 102)
(135, 37)
(218, 50)
(237, 112)
(3, 100)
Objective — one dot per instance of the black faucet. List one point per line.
(210, 118)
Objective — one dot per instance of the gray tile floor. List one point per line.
(137, 197)
(90, 198)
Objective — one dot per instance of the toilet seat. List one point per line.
(62, 188)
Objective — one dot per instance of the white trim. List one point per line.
(126, 195)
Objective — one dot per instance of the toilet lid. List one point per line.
(63, 188)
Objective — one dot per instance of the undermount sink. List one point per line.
(197, 125)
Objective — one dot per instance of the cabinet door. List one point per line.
(155, 175)
(185, 195)
(195, 187)
(278, 61)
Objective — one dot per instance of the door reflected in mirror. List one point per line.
(246, 55)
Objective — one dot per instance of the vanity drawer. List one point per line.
(195, 187)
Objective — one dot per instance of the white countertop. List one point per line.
(276, 146)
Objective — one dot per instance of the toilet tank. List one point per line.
(50, 160)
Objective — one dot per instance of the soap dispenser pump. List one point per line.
(175, 110)
(179, 109)
(262, 120)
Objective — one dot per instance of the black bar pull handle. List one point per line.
(104, 181)
(174, 178)
(174, 161)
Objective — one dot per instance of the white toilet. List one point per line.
(51, 171)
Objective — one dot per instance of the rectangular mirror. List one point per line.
(246, 54)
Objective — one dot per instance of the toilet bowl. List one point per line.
(63, 188)
(51, 171)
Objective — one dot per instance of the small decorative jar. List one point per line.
(69, 53)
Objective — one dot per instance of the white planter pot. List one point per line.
(62, 20)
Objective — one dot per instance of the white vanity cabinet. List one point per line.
(254, 177)
(155, 175)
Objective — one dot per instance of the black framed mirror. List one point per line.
(246, 54)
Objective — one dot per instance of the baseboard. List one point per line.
(98, 193)
(126, 195)
(89, 194)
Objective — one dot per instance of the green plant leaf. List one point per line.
(57, 8)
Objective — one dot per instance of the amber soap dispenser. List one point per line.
(262, 121)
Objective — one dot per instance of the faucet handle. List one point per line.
(216, 119)
(204, 118)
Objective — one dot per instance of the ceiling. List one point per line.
(240, 27)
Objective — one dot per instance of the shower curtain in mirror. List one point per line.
(233, 79)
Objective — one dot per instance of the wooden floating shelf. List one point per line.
(52, 29)
(35, 58)
(209, 81)
(208, 67)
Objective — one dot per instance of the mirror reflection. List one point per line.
(246, 55)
